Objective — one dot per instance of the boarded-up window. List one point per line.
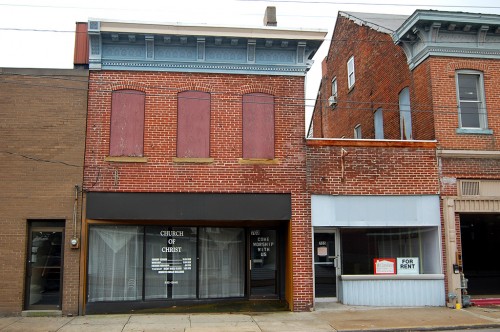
(127, 123)
(193, 124)
(258, 126)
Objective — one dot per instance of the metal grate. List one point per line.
(469, 188)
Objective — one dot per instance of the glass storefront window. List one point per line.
(360, 246)
(115, 263)
(170, 262)
(163, 260)
(222, 262)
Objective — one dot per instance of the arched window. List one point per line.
(378, 119)
(193, 124)
(405, 114)
(127, 123)
(258, 126)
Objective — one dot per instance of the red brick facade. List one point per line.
(381, 72)
(227, 173)
(382, 69)
(444, 91)
(371, 168)
(378, 82)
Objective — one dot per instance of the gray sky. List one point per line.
(40, 33)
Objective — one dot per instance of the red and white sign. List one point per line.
(384, 265)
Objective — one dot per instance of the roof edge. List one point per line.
(267, 32)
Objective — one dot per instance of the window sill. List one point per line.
(126, 159)
(193, 160)
(358, 277)
(258, 161)
(477, 131)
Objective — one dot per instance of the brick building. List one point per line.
(42, 140)
(431, 76)
(195, 186)
(457, 54)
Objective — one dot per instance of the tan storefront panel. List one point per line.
(478, 205)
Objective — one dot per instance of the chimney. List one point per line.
(270, 17)
(81, 55)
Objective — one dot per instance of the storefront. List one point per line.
(378, 250)
(160, 250)
(472, 229)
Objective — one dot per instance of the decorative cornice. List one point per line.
(154, 47)
(449, 34)
(202, 67)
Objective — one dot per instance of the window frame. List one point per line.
(481, 100)
(351, 76)
(405, 114)
(334, 87)
(357, 131)
(378, 123)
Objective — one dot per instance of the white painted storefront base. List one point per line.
(392, 290)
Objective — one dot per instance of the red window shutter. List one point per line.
(258, 126)
(127, 123)
(193, 124)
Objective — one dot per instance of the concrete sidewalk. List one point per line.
(326, 318)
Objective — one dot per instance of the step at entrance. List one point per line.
(41, 313)
(485, 302)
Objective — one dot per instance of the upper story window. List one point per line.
(471, 101)
(127, 123)
(405, 114)
(334, 87)
(378, 119)
(258, 126)
(193, 124)
(350, 72)
(357, 132)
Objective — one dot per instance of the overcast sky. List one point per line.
(40, 33)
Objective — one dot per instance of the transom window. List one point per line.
(471, 104)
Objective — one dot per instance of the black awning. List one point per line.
(188, 206)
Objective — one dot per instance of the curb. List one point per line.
(430, 328)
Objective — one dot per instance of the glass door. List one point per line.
(263, 263)
(44, 268)
(326, 264)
